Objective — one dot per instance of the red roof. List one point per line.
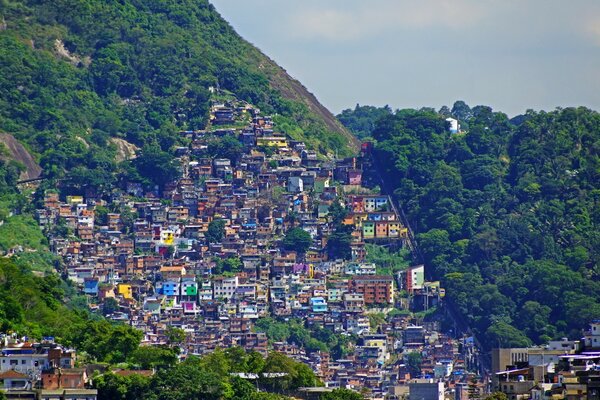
(12, 374)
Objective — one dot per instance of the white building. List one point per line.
(20, 361)
(592, 338)
(225, 287)
(454, 125)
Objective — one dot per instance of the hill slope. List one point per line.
(138, 70)
(506, 214)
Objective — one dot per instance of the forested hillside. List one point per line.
(77, 72)
(361, 120)
(507, 214)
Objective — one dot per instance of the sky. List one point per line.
(512, 55)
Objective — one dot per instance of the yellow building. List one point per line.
(125, 291)
(375, 341)
(75, 200)
(394, 228)
(167, 237)
(277, 141)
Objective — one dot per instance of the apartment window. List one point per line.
(14, 362)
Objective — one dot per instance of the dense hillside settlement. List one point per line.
(267, 249)
(182, 219)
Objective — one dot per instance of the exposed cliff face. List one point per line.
(125, 150)
(19, 153)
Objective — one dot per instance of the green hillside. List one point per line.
(77, 72)
(506, 213)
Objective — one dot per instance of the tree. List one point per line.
(275, 331)
(110, 305)
(228, 265)
(341, 394)
(504, 335)
(115, 387)
(339, 244)
(461, 111)
(297, 239)
(225, 147)
(216, 231)
(337, 213)
(375, 320)
(156, 165)
(496, 396)
(149, 357)
(361, 120)
(534, 319)
(190, 380)
(297, 374)
(107, 343)
(175, 336)
(414, 360)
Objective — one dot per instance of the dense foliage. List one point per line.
(341, 394)
(314, 338)
(216, 231)
(213, 376)
(388, 262)
(34, 306)
(361, 121)
(297, 239)
(507, 214)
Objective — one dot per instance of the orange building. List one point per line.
(376, 289)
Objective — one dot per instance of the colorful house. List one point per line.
(125, 290)
(318, 304)
(275, 141)
(381, 229)
(368, 229)
(90, 286)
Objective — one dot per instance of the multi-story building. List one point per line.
(354, 302)
(376, 289)
(224, 287)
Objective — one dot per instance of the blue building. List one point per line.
(90, 286)
(169, 288)
(318, 304)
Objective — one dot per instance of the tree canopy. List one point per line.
(212, 376)
(216, 231)
(506, 214)
(297, 239)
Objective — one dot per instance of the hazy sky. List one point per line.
(509, 54)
